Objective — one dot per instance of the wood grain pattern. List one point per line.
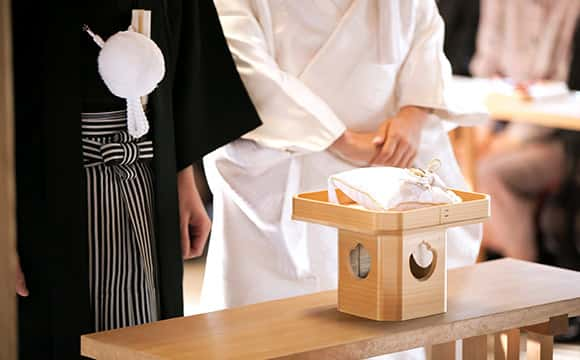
(391, 292)
(445, 351)
(540, 340)
(378, 296)
(8, 349)
(428, 296)
(507, 345)
(482, 299)
(475, 348)
(314, 207)
(539, 347)
(555, 326)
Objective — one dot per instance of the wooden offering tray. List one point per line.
(379, 277)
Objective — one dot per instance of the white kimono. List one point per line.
(313, 69)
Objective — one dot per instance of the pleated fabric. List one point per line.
(119, 192)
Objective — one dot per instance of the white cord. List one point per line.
(96, 38)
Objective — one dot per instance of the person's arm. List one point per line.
(294, 118)
(21, 288)
(357, 148)
(210, 104)
(421, 89)
(194, 222)
(425, 76)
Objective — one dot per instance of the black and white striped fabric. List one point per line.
(120, 222)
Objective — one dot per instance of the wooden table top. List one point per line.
(487, 95)
(560, 112)
(482, 299)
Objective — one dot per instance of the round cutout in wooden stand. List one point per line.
(360, 261)
(423, 273)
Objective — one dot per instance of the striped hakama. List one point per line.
(119, 191)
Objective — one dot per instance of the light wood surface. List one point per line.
(482, 299)
(141, 23)
(395, 288)
(539, 347)
(560, 112)
(8, 349)
(444, 351)
(315, 207)
(391, 291)
(540, 338)
(378, 296)
(475, 348)
(507, 345)
(427, 295)
(482, 95)
(462, 139)
(555, 326)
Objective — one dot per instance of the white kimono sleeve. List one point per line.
(425, 77)
(294, 118)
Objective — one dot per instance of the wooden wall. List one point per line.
(8, 342)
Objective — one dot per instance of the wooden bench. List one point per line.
(500, 298)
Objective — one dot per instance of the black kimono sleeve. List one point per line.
(210, 104)
(50, 193)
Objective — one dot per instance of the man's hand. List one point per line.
(401, 136)
(21, 288)
(357, 148)
(194, 222)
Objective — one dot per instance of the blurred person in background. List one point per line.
(526, 41)
(559, 216)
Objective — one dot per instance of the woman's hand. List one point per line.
(357, 148)
(401, 137)
(194, 222)
(21, 288)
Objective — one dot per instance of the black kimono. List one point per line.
(200, 105)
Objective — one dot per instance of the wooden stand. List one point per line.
(379, 278)
(396, 288)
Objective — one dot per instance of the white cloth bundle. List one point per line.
(390, 188)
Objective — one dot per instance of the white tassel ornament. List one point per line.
(131, 65)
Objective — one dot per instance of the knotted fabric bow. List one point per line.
(116, 153)
(425, 176)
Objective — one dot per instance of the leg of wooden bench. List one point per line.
(540, 344)
(539, 347)
(555, 326)
(475, 348)
(507, 345)
(443, 351)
